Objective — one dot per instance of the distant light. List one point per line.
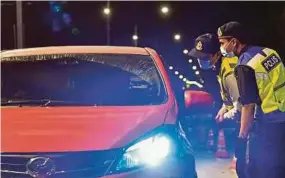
(181, 76)
(56, 7)
(171, 67)
(197, 72)
(185, 51)
(164, 9)
(176, 72)
(185, 79)
(194, 67)
(135, 37)
(190, 60)
(183, 88)
(107, 11)
(177, 37)
(194, 83)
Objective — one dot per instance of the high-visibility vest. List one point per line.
(270, 78)
(227, 68)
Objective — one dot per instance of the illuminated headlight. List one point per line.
(149, 152)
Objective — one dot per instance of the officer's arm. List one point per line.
(232, 88)
(247, 115)
(249, 96)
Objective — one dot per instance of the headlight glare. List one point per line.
(150, 151)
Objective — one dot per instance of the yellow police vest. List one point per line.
(227, 68)
(270, 78)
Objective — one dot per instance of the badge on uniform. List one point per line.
(271, 62)
(199, 46)
(220, 32)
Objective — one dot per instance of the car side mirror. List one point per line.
(197, 98)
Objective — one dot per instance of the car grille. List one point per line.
(71, 165)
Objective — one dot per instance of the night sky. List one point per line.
(265, 22)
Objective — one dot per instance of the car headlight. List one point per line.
(151, 151)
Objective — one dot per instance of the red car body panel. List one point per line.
(85, 128)
(61, 129)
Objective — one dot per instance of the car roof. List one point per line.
(75, 50)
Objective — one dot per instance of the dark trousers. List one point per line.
(240, 153)
(267, 151)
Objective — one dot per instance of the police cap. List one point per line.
(231, 30)
(204, 45)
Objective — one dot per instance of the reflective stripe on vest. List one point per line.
(270, 77)
(227, 68)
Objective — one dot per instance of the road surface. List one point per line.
(210, 167)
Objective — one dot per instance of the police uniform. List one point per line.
(208, 44)
(230, 97)
(204, 45)
(228, 87)
(261, 80)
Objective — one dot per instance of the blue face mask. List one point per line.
(205, 63)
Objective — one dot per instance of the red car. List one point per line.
(90, 111)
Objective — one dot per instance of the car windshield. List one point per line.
(92, 79)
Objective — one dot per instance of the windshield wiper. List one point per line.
(44, 102)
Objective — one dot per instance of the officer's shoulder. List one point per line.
(249, 53)
(244, 58)
(253, 50)
(259, 49)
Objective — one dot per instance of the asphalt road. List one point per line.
(210, 167)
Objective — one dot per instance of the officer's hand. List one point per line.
(243, 135)
(220, 118)
(220, 115)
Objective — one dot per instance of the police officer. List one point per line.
(207, 51)
(261, 81)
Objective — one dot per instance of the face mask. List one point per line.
(225, 53)
(205, 63)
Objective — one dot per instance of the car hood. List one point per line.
(62, 129)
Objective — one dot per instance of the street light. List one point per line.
(107, 11)
(164, 9)
(171, 67)
(190, 60)
(185, 51)
(194, 67)
(197, 72)
(135, 37)
(181, 76)
(176, 72)
(185, 79)
(177, 37)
